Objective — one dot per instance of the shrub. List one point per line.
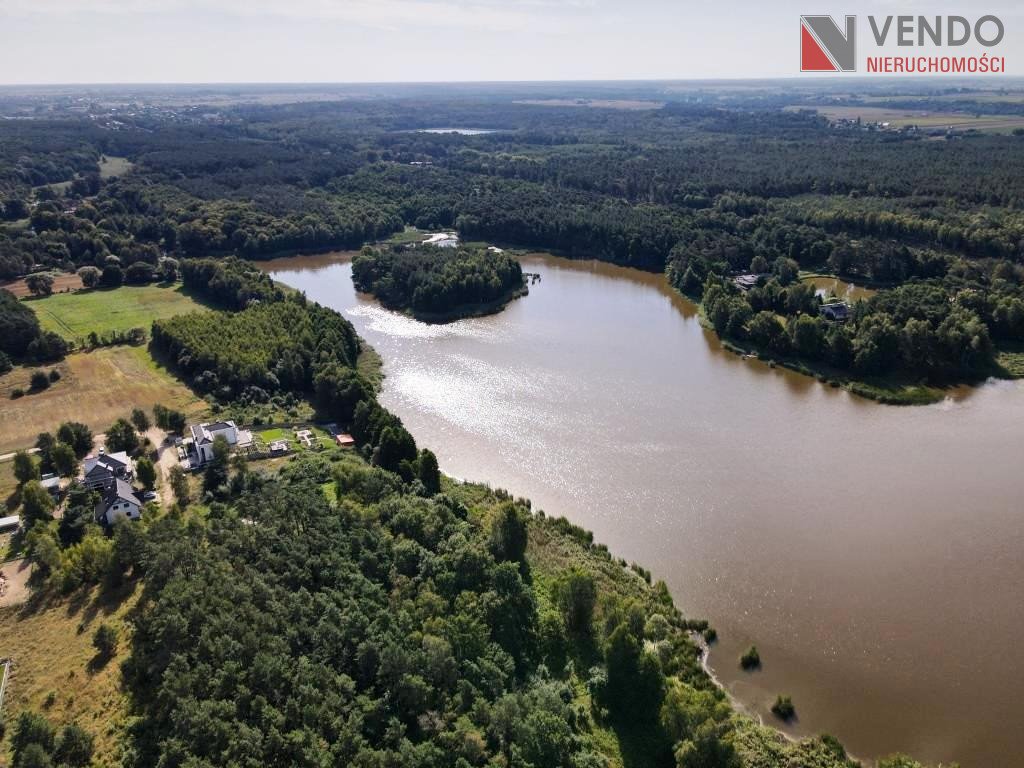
(750, 659)
(17, 392)
(31, 728)
(39, 380)
(54, 375)
(783, 708)
(74, 747)
(104, 640)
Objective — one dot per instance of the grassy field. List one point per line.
(55, 669)
(95, 388)
(114, 166)
(74, 315)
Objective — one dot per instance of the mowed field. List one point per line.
(95, 388)
(922, 118)
(75, 315)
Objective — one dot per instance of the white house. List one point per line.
(442, 240)
(118, 501)
(203, 436)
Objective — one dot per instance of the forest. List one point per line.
(21, 337)
(438, 282)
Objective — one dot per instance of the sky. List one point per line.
(197, 41)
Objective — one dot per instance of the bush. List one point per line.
(750, 659)
(17, 392)
(31, 728)
(74, 747)
(54, 375)
(39, 380)
(783, 708)
(33, 756)
(104, 640)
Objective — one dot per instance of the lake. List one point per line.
(875, 554)
(459, 131)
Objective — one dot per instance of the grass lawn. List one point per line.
(114, 166)
(270, 435)
(95, 388)
(75, 315)
(407, 235)
(8, 487)
(280, 433)
(55, 671)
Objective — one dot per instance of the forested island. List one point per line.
(439, 284)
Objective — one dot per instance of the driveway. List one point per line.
(167, 457)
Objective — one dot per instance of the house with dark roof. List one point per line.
(101, 470)
(118, 501)
(837, 311)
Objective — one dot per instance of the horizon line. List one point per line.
(583, 81)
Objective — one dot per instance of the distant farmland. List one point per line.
(922, 118)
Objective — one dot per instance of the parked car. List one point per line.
(149, 496)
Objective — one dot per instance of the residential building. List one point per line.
(838, 311)
(203, 436)
(102, 469)
(118, 501)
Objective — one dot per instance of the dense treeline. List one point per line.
(274, 346)
(437, 281)
(936, 329)
(229, 282)
(21, 336)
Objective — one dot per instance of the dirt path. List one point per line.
(14, 585)
(167, 457)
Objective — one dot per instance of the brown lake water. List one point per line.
(874, 554)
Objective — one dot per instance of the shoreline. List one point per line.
(462, 312)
